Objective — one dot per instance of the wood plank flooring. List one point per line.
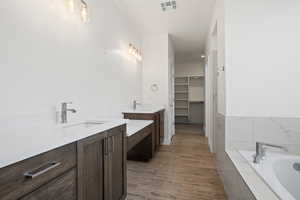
(185, 170)
(189, 128)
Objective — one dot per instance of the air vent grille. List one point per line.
(168, 5)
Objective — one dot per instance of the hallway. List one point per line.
(186, 170)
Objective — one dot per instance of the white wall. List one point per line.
(215, 42)
(156, 70)
(217, 29)
(262, 58)
(49, 56)
(189, 68)
(262, 77)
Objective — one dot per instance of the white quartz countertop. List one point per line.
(23, 145)
(141, 109)
(134, 126)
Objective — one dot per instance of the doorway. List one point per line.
(190, 96)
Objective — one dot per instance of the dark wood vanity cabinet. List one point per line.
(45, 174)
(93, 168)
(157, 117)
(61, 188)
(102, 166)
(117, 162)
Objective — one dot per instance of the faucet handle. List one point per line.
(263, 146)
(67, 103)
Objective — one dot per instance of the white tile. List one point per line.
(241, 145)
(277, 131)
(239, 128)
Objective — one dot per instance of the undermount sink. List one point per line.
(94, 122)
(86, 124)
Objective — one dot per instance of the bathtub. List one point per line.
(277, 171)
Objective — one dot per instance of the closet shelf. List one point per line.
(181, 115)
(197, 101)
(189, 92)
(181, 107)
(181, 84)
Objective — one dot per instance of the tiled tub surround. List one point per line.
(220, 143)
(243, 132)
(240, 133)
(278, 171)
(234, 185)
(242, 182)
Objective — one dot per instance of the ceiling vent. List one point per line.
(168, 5)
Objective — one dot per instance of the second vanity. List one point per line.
(153, 113)
(89, 162)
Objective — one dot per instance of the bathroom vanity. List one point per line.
(89, 168)
(140, 140)
(157, 115)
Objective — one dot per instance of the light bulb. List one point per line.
(84, 12)
(139, 57)
(130, 49)
(71, 6)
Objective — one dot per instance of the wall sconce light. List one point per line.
(135, 52)
(84, 12)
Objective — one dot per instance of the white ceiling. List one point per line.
(188, 24)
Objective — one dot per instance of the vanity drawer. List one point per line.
(61, 188)
(23, 177)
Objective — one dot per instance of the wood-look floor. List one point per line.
(185, 170)
(189, 128)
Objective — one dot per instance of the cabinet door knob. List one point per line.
(41, 170)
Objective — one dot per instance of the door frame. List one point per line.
(211, 90)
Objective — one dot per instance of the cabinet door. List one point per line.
(92, 168)
(117, 163)
(61, 188)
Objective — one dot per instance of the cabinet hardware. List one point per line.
(41, 170)
(106, 146)
(113, 144)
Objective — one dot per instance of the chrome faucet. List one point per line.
(135, 103)
(64, 112)
(261, 150)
